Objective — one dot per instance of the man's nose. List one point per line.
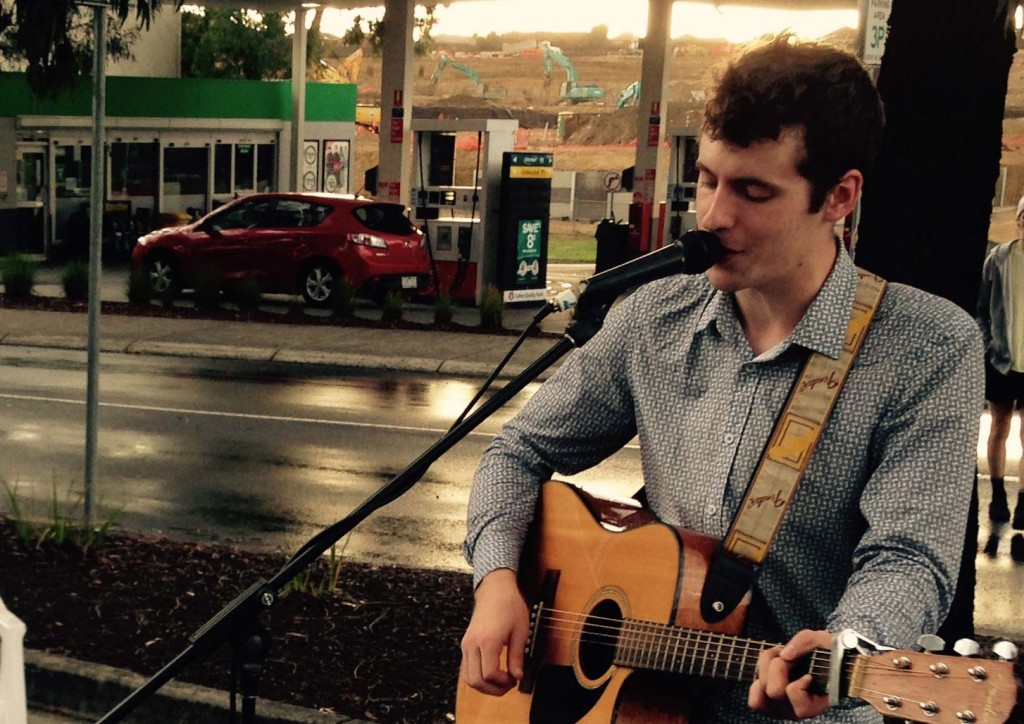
(715, 209)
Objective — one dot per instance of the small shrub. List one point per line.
(207, 289)
(319, 579)
(491, 306)
(344, 299)
(19, 276)
(137, 287)
(59, 528)
(246, 293)
(444, 309)
(74, 277)
(391, 311)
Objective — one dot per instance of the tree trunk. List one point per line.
(928, 203)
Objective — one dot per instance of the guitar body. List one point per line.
(593, 563)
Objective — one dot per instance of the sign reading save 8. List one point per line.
(528, 250)
(876, 29)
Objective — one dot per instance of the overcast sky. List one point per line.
(621, 16)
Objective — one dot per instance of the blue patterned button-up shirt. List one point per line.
(871, 541)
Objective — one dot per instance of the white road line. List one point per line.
(240, 415)
(250, 416)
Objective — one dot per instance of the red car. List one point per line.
(291, 242)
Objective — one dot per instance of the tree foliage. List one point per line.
(53, 38)
(369, 33)
(238, 44)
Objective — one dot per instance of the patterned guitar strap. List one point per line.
(738, 558)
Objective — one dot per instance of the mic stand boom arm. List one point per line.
(239, 620)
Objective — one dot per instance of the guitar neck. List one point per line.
(658, 647)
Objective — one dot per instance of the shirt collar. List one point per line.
(823, 327)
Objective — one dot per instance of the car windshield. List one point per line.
(385, 218)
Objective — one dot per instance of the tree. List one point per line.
(53, 38)
(239, 44)
(372, 35)
(928, 203)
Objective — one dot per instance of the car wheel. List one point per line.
(163, 275)
(319, 283)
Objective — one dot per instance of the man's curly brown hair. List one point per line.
(823, 92)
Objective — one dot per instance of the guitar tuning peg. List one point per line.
(967, 647)
(1006, 650)
(931, 642)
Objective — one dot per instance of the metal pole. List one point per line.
(99, 162)
(298, 102)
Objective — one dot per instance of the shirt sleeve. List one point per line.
(579, 417)
(983, 311)
(917, 498)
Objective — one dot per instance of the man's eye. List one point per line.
(757, 194)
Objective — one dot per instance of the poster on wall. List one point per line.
(336, 167)
(310, 165)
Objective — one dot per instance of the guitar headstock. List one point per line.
(925, 687)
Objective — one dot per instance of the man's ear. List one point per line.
(842, 198)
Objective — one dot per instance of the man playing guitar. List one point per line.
(698, 368)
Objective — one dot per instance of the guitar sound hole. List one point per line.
(597, 641)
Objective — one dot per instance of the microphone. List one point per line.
(692, 253)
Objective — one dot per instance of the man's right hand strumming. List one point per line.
(500, 619)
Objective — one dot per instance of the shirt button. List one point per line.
(712, 509)
(729, 438)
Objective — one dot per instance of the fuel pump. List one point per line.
(682, 181)
(459, 207)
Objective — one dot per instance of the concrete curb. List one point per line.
(445, 367)
(88, 689)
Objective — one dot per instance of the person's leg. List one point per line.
(1018, 512)
(1001, 414)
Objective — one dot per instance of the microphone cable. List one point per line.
(543, 312)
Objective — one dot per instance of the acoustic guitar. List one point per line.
(616, 634)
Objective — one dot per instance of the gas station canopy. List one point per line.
(289, 5)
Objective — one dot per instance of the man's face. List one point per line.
(1020, 225)
(758, 204)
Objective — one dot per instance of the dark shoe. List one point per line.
(1017, 548)
(992, 546)
(1018, 515)
(998, 510)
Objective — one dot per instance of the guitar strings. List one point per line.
(609, 634)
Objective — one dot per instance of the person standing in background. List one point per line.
(1000, 315)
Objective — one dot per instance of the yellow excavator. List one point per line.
(338, 70)
(347, 71)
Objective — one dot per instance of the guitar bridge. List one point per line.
(534, 643)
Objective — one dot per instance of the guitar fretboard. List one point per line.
(657, 647)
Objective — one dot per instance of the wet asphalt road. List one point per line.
(255, 454)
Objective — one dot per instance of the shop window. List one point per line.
(185, 171)
(245, 163)
(73, 170)
(265, 179)
(222, 168)
(29, 180)
(133, 169)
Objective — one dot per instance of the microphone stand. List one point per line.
(239, 621)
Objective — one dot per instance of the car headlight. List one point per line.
(368, 240)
